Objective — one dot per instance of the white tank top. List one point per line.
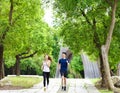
(45, 67)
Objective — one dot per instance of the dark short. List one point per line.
(63, 73)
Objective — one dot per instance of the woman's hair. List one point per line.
(49, 58)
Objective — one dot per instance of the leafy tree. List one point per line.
(56, 46)
(6, 23)
(84, 26)
(23, 32)
(105, 48)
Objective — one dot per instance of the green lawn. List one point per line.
(25, 82)
(105, 91)
(101, 90)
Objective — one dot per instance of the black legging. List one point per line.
(46, 77)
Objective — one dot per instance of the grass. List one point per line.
(94, 80)
(25, 82)
(100, 89)
(105, 91)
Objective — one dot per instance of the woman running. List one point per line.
(46, 70)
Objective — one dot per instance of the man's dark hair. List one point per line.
(64, 53)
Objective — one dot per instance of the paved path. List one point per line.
(73, 86)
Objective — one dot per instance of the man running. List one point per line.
(63, 66)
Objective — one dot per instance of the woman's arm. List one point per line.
(42, 67)
(49, 63)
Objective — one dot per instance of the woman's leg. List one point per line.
(44, 79)
(48, 75)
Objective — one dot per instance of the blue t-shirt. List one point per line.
(64, 64)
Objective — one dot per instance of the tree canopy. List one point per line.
(87, 23)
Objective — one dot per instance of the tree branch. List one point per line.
(96, 37)
(83, 13)
(23, 53)
(109, 37)
(10, 20)
(11, 12)
(31, 55)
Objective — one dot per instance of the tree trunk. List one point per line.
(112, 25)
(3, 70)
(107, 69)
(105, 48)
(20, 57)
(102, 70)
(13, 69)
(118, 69)
(3, 38)
(98, 46)
(96, 41)
(17, 65)
(1, 61)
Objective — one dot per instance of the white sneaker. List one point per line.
(47, 86)
(44, 88)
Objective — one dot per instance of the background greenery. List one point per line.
(30, 32)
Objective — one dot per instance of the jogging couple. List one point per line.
(63, 65)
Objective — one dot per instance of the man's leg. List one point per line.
(62, 82)
(65, 75)
(62, 79)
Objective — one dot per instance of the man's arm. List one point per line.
(67, 62)
(59, 65)
(42, 66)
